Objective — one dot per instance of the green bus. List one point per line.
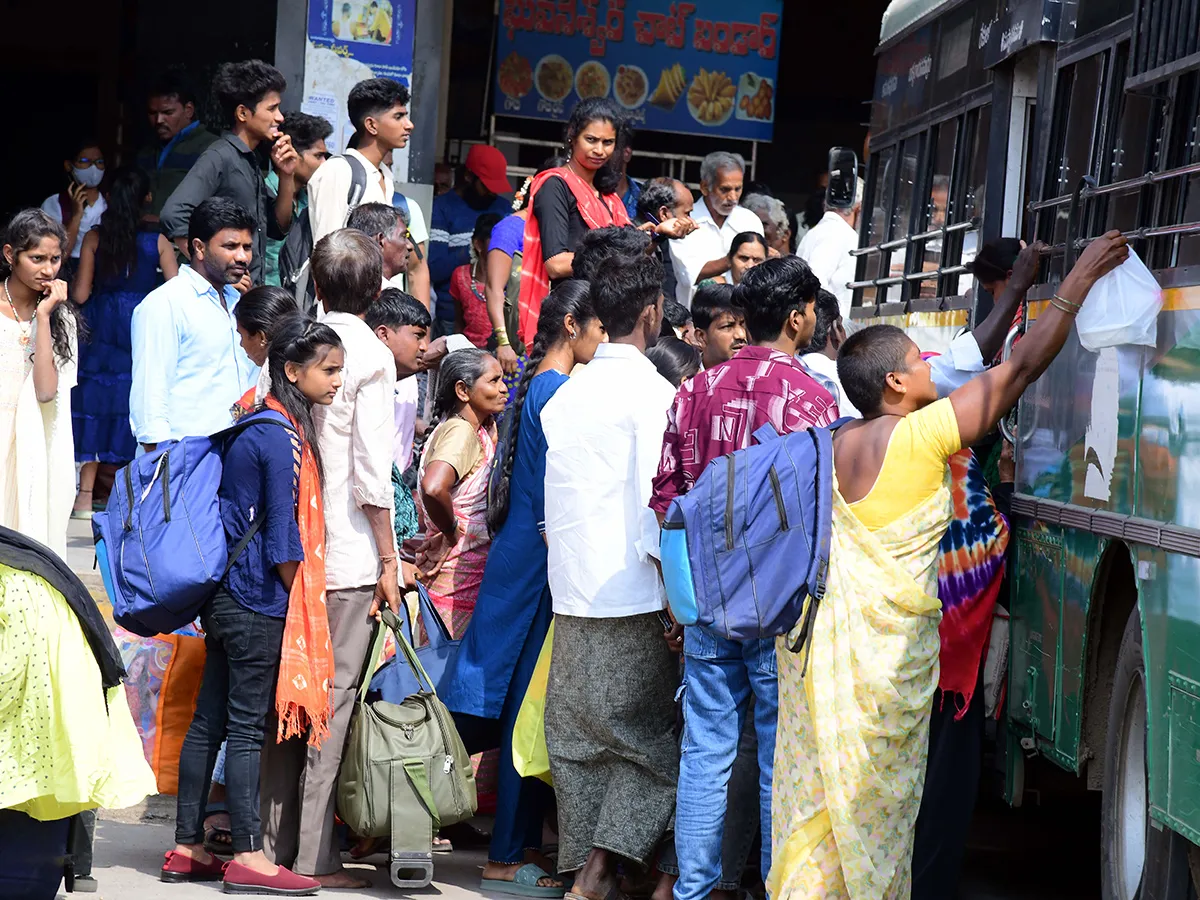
(1059, 121)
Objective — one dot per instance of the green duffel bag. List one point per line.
(405, 772)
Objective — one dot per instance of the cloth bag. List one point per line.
(531, 759)
(395, 680)
(1121, 308)
(405, 772)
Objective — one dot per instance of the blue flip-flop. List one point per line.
(524, 884)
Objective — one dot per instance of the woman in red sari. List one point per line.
(567, 202)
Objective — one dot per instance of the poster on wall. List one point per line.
(349, 41)
(707, 67)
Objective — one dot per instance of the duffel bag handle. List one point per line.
(424, 682)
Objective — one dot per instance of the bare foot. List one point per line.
(342, 880)
(257, 862)
(597, 877)
(196, 852)
(495, 871)
(665, 889)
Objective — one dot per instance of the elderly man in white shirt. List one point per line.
(719, 219)
(610, 699)
(356, 435)
(827, 247)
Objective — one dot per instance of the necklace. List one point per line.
(25, 327)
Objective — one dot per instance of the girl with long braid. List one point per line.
(512, 610)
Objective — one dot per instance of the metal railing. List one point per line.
(914, 240)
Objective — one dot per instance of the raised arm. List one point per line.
(989, 333)
(979, 404)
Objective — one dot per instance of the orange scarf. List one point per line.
(597, 212)
(304, 692)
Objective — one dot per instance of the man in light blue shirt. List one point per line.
(188, 364)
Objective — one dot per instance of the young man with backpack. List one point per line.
(714, 414)
(250, 94)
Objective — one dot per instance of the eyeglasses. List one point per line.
(84, 162)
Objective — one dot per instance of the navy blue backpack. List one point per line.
(744, 549)
(160, 542)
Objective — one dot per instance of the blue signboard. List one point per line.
(706, 67)
(348, 41)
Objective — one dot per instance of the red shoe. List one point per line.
(241, 879)
(178, 869)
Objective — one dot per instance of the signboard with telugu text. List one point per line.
(706, 67)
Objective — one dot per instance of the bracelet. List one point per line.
(501, 337)
(1075, 306)
(1061, 308)
(391, 557)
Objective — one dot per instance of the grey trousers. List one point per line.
(299, 784)
(610, 733)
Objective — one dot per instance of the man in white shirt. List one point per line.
(189, 367)
(705, 252)
(610, 700)
(826, 248)
(356, 434)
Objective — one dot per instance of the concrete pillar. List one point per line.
(291, 38)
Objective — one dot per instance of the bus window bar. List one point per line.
(966, 225)
(912, 276)
(1117, 186)
(1158, 231)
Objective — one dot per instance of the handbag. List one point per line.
(530, 756)
(394, 681)
(405, 772)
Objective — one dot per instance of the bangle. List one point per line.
(1061, 308)
(391, 557)
(1075, 306)
(501, 336)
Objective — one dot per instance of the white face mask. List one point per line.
(90, 177)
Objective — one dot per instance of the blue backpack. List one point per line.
(743, 550)
(160, 543)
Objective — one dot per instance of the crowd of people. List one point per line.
(502, 407)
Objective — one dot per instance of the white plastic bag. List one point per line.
(1121, 308)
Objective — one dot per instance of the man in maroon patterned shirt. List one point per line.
(716, 413)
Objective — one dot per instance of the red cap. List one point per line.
(489, 165)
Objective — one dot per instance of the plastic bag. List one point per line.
(531, 759)
(1121, 308)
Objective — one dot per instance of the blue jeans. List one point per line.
(236, 694)
(719, 677)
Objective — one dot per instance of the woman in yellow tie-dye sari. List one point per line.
(854, 705)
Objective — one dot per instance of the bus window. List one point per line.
(1136, 131)
(902, 209)
(976, 175)
(1186, 149)
(883, 179)
(938, 207)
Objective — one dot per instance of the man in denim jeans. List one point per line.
(716, 413)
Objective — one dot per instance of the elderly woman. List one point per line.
(773, 215)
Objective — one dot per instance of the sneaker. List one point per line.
(240, 879)
(178, 868)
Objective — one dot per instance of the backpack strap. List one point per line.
(819, 570)
(261, 417)
(358, 184)
(766, 433)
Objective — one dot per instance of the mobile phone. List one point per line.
(667, 624)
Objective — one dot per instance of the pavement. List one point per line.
(1048, 850)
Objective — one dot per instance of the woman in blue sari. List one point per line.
(513, 610)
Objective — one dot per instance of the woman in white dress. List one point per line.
(38, 359)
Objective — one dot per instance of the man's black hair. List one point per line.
(305, 130)
(994, 259)
(712, 300)
(484, 225)
(599, 245)
(828, 312)
(374, 97)
(245, 84)
(865, 361)
(757, 187)
(629, 285)
(656, 193)
(675, 360)
(374, 219)
(173, 82)
(770, 291)
(216, 214)
(675, 315)
(394, 309)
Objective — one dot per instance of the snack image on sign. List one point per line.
(630, 86)
(516, 75)
(710, 98)
(591, 80)
(671, 83)
(755, 98)
(554, 77)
